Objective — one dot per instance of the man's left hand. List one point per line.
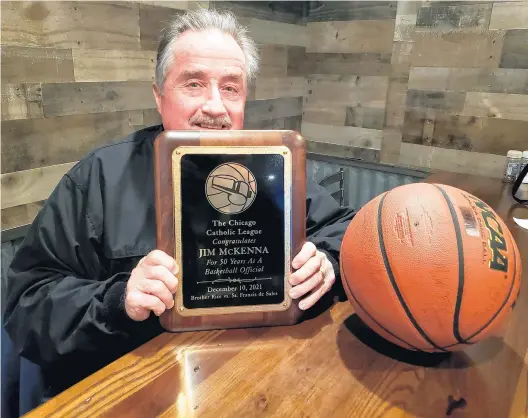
(313, 273)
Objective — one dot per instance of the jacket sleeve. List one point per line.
(58, 300)
(326, 224)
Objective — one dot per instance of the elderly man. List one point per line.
(88, 283)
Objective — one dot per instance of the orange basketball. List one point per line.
(430, 267)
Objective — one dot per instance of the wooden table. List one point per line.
(330, 366)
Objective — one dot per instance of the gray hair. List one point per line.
(199, 20)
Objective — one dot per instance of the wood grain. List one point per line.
(273, 108)
(324, 113)
(358, 36)
(509, 15)
(277, 33)
(396, 99)
(338, 367)
(290, 123)
(497, 105)
(468, 133)
(28, 186)
(351, 10)
(20, 215)
(500, 80)
(365, 117)
(178, 4)
(79, 24)
(302, 64)
(343, 151)
(151, 21)
(352, 90)
(276, 87)
(405, 23)
(151, 117)
(390, 146)
(35, 143)
(32, 65)
(21, 101)
(342, 135)
(515, 50)
(451, 100)
(445, 17)
(274, 61)
(285, 12)
(457, 49)
(458, 161)
(83, 98)
(113, 65)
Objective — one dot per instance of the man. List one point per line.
(88, 284)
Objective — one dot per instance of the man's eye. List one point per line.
(194, 85)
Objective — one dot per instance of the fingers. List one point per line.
(162, 274)
(157, 288)
(141, 304)
(151, 286)
(308, 250)
(307, 285)
(309, 268)
(160, 258)
(322, 287)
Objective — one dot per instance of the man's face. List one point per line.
(205, 88)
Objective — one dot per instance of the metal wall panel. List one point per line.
(363, 181)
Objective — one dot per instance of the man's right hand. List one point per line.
(151, 286)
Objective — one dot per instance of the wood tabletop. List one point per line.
(328, 366)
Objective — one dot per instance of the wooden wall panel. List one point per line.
(28, 186)
(39, 142)
(456, 80)
(81, 98)
(29, 65)
(436, 85)
(151, 21)
(21, 101)
(76, 75)
(113, 65)
(446, 16)
(457, 49)
(509, 15)
(515, 51)
(357, 36)
(75, 24)
(356, 10)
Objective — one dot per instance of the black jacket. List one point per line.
(66, 283)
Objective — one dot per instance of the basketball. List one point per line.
(430, 267)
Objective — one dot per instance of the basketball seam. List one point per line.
(371, 317)
(505, 300)
(388, 269)
(460, 251)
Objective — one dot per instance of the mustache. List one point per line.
(219, 122)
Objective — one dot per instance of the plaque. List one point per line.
(230, 208)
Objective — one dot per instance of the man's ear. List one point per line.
(157, 96)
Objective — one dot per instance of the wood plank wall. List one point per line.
(428, 84)
(78, 74)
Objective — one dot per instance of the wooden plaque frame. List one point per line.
(167, 147)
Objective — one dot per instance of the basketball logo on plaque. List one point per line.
(230, 208)
(231, 188)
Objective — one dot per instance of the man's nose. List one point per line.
(214, 105)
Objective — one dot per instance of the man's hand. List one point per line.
(314, 273)
(151, 286)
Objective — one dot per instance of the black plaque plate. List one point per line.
(232, 228)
